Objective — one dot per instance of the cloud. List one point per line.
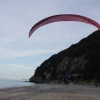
(12, 54)
(19, 66)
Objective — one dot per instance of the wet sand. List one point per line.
(51, 92)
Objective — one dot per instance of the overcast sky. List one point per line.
(20, 55)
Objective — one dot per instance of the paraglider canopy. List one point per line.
(63, 17)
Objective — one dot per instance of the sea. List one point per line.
(8, 83)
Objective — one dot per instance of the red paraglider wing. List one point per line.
(63, 17)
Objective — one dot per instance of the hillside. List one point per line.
(82, 58)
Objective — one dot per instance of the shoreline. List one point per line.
(11, 83)
(51, 91)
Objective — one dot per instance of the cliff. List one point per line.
(83, 58)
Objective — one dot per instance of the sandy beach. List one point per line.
(51, 92)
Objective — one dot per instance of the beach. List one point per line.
(51, 92)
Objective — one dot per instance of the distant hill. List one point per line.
(82, 58)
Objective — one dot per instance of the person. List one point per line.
(96, 85)
(65, 81)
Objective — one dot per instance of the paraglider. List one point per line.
(63, 17)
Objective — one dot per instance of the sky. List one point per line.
(21, 55)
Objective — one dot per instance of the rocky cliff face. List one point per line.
(67, 64)
(83, 58)
(71, 64)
